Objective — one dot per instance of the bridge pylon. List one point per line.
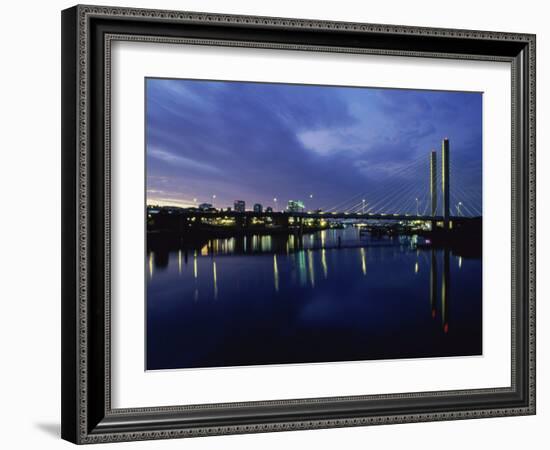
(445, 181)
(433, 184)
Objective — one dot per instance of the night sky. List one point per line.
(257, 141)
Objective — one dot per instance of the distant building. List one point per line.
(171, 209)
(295, 206)
(258, 208)
(239, 206)
(205, 206)
(269, 209)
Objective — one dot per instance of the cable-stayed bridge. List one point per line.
(431, 188)
(428, 188)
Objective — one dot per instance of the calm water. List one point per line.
(335, 295)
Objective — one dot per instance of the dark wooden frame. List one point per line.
(87, 32)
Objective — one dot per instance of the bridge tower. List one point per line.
(445, 186)
(433, 181)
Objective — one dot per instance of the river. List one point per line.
(333, 295)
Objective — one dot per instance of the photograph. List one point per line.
(300, 223)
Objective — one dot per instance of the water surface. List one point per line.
(334, 295)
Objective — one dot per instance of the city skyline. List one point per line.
(217, 142)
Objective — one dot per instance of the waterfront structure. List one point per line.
(295, 206)
(239, 205)
(258, 208)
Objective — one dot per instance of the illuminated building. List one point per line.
(295, 206)
(239, 206)
(258, 208)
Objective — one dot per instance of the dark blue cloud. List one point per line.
(257, 141)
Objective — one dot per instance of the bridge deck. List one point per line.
(318, 215)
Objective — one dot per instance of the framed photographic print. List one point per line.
(276, 224)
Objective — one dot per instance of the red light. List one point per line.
(446, 328)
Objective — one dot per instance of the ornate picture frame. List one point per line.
(87, 35)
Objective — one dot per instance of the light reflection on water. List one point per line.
(325, 239)
(275, 299)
